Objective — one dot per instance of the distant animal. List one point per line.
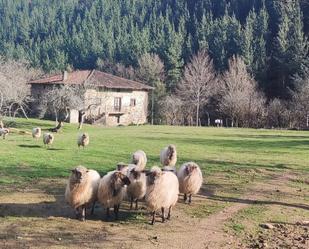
(190, 179)
(83, 140)
(36, 132)
(168, 158)
(81, 190)
(4, 132)
(48, 139)
(139, 158)
(162, 192)
(112, 191)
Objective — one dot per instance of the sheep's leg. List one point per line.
(83, 217)
(169, 213)
(136, 204)
(153, 217)
(116, 210)
(190, 197)
(185, 197)
(92, 209)
(163, 215)
(107, 213)
(76, 213)
(131, 205)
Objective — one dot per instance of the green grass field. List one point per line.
(214, 149)
(252, 176)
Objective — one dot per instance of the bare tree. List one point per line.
(151, 72)
(14, 90)
(300, 104)
(199, 82)
(278, 115)
(240, 98)
(171, 109)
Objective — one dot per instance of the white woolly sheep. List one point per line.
(36, 132)
(123, 167)
(48, 139)
(137, 188)
(139, 158)
(4, 132)
(82, 190)
(111, 191)
(162, 192)
(168, 156)
(83, 140)
(190, 179)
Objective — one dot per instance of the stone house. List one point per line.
(110, 100)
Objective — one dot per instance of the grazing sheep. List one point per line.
(168, 156)
(48, 139)
(111, 191)
(137, 188)
(83, 140)
(139, 158)
(36, 132)
(190, 179)
(162, 192)
(82, 190)
(4, 132)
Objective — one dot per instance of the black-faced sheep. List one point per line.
(83, 140)
(82, 190)
(162, 192)
(48, 139)
(190, 179)
(4, 132)
(111, 191)
(36, 132)
(137, 188)
(139, 158)
(168, 158)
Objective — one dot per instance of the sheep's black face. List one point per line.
(125, 180)
(152, 177)
(136, 174)
(79, 174)
(50, 136)
(190, 169)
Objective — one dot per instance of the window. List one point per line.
(133, 102)
(117, 104)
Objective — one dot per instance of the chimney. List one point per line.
(65, 75)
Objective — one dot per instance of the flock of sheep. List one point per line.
(159, 187)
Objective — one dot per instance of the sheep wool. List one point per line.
(81, 190)
(137, 188)
(162, 192)
(48, 138)
(190, 179)
(83, 140)
(139, 158)
(112, 190)
(4, 132)
(36, 132)
(168, 155)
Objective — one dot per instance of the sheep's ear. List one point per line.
(73, 170)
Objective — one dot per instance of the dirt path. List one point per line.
(35, 218)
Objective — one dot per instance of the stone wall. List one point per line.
(128, 114)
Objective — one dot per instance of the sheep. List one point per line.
(190, 179)
(137, 188)
(36, 132)
(168, 158)
(111, 191)
(162, 192)
(48, 139)
(83, 140)
(123, 167)
(4, 132)
(139, 158)
(81, 190)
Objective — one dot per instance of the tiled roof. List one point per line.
(95, 77)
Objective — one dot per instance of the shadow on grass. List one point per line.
(29, 146)
(258, 202)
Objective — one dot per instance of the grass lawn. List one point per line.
(214, 149)
(251, 177)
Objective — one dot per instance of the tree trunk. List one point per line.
(197, 112)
